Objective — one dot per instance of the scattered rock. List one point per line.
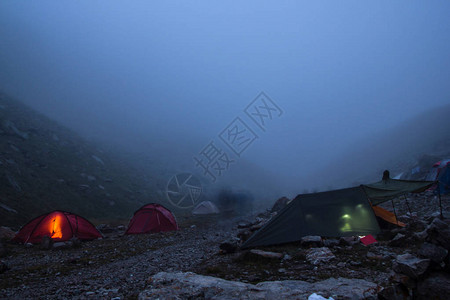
(349, 240)
(280, 204)
(316, 256)
(287, 257)
(435, 253)
(242, 225)
(410, 265)
(330, 243)
(266, 254)
(395, 292)
(398, 240)
(6, 233)
(244, 235)
(311, 241)
(373, 256)
(439, 233)
(191, 286)
(62, 245)
(257, 226)
(76, 243)
(46, 243)
(227, 248)
(436, 286)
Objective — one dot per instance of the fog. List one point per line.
(164, 79)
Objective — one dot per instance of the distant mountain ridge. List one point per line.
(45, 166)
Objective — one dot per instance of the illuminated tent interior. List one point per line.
(58, 225)
(338, 213)
(343, 212)
(152, 218)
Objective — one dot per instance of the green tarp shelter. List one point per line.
(343, 212)
(388, 189)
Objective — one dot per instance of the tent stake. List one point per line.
(407, 205)
(395, 214)
(440, 201)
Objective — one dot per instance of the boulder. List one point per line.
(244, 224)
(266, 254)
(394, 292)
(349, 240)
(192, 286)
(244, 235)
(330, 243)
(433, 252)
(398, 241)
(280, 204)
(316, 256)
(411, 265)
(436, 286)
(6, 233)
(439, 233)
(311, 241)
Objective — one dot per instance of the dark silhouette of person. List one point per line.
(386, 175)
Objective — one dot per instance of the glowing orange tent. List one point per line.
(60, 226)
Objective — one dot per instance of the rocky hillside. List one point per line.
(420, 141)
(44, 166)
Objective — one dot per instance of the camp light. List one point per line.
(55, 227)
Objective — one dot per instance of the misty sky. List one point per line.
(176, 73)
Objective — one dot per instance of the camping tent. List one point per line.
(152, 218)
(343, 212)
(205, 208)
(441, 172)
(58, 225)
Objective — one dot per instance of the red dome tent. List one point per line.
(59, 225)
(152, 218)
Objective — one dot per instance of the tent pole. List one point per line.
(440, 201)
(407, 205)
(395, 214)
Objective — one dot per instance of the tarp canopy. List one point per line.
(336, 213)
(388, 189)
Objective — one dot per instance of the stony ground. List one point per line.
(119, 266)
